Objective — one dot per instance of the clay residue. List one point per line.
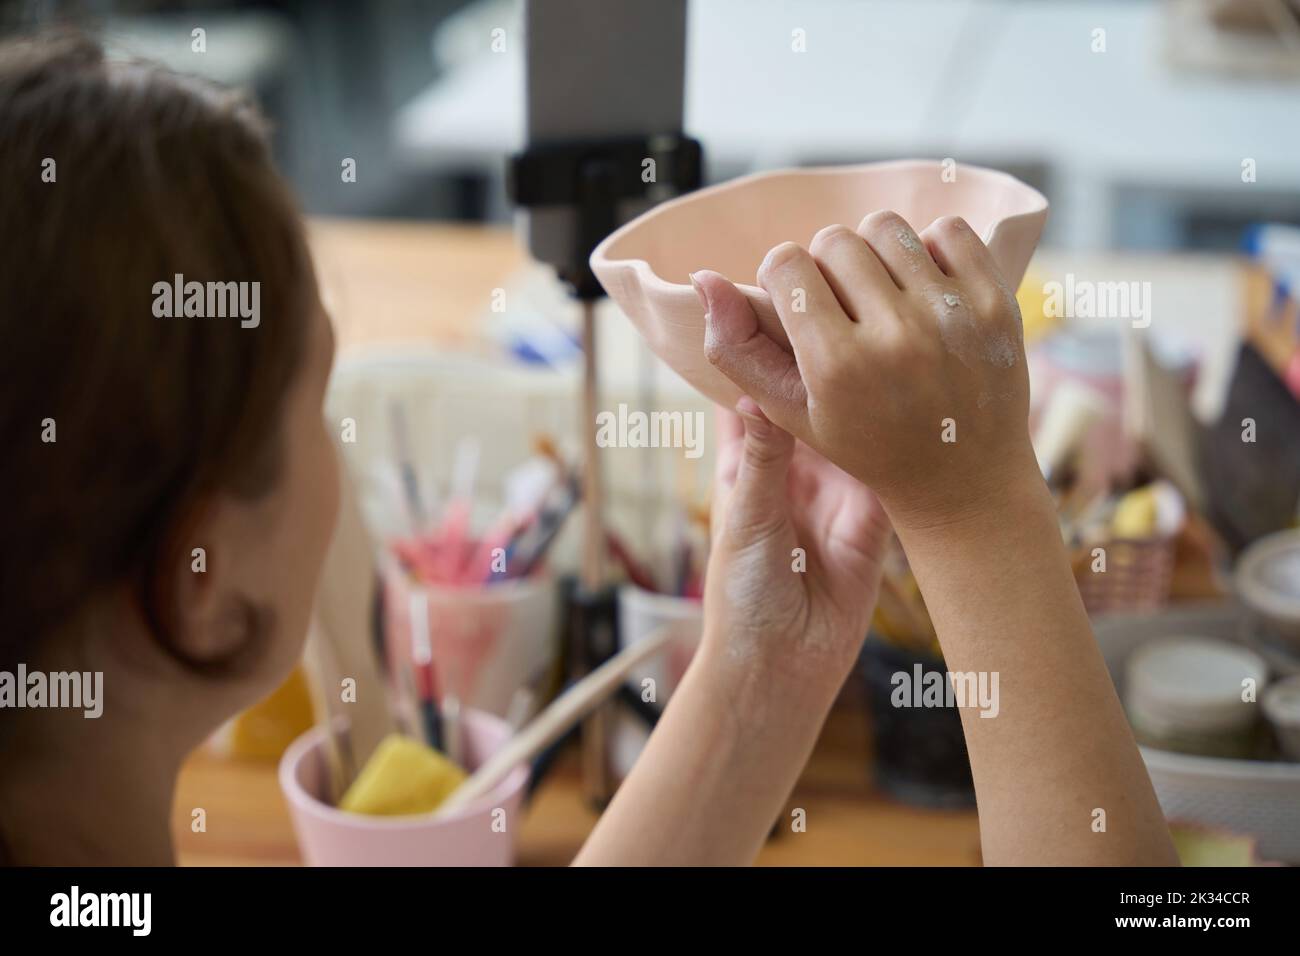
(1000, 351)
(909, 241)
(912, 246)
(957, 326)
(962, 335)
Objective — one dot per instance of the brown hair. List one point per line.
(154, 174)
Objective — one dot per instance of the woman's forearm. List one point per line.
(717, 770)
(1058, 761)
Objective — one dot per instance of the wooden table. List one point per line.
(402, 282)
(395, 282)
(848, 824)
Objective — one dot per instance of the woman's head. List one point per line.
(168, 484)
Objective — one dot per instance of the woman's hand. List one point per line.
(796, 558)
(791, 585)
(908, 369)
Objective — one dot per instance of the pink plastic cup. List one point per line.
(480, 834)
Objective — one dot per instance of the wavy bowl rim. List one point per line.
(649, 279)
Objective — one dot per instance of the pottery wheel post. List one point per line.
(604, 90)
(593, 606)
(593, 491)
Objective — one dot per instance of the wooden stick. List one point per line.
(593, 492)
(552, 723)
(344, 606)
(596, 783)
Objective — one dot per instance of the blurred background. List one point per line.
(1164, 133)
(1131, 142)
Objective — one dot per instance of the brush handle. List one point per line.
(552, 723)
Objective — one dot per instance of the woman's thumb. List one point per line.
(736, 345)
(764, 462)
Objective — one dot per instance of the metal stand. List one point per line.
(593, 177)
(593, 613)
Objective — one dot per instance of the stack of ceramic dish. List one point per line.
(1268, 582)
(1195, 695)
(1282, 708)
(1255, 797)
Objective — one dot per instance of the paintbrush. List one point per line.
(323, 676)
(544, 532)
(344, 609)
(454, 530)
(555, 721)
(422, 659)
(406, 465)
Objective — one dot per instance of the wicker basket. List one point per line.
(1137, 576)
(1259, 798)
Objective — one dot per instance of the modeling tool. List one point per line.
(426, 681)
(406, 466)
(343, 610)
(555, 720)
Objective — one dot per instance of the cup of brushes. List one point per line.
(453, 634)
(472, 645)
(411, 806)
(469, 614)
(468, 621)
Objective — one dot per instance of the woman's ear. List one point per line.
(206, 618)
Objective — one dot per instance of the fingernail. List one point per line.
(747, 408)
(699, 290)
(710, 329)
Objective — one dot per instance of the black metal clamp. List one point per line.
(593, 177)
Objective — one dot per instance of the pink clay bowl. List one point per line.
(645, 266)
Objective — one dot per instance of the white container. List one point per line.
(642, 613)
(487, 641)
(1282, 708)
(1267, 580)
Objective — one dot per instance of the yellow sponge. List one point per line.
(267, 728)
(402, 777)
